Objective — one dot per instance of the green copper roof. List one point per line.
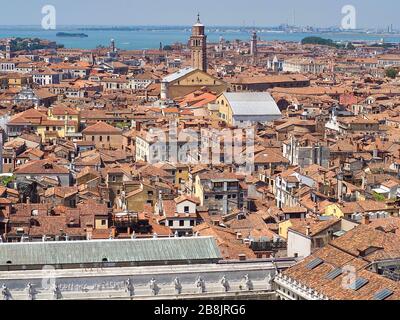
(158, 250)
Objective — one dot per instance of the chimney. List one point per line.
(113, 232)
(89, 232)
(8, 211)
(308, 231)
(160, 204)
(316, 208)
(366, 219)
(242, 257)
(28, 200)
(239, 236)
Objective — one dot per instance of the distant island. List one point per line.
(327, 42)
(30, 44)
(73, 35)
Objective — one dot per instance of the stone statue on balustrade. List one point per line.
(270, 281)
(248, 283)
(57, 295)
(129, 287)
(31, 291)
(6, 293)
(154, 287)
(178, 286)
(201, 285)
(225, 283)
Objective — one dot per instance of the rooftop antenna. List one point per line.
(294, 17)
(198, 17)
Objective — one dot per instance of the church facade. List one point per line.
(193, 78)
(188, 80)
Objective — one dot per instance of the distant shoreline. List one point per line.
(139, 38)
(211, 28)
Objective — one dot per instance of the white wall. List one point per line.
(299, 244)
(180, 207)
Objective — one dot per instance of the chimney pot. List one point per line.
(308, 231)
(366, 219)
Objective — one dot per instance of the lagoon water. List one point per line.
(148, 37)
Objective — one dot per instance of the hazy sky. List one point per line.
(370, 13)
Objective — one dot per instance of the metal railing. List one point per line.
(268, 245)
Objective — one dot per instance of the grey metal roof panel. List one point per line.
(175, 76)
(94, 251)
(252, 103)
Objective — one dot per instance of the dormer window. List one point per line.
(48, 166)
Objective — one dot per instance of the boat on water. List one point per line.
(73, 35)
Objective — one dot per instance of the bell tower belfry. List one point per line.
(198, 46)
(253, 44)
(8, 50)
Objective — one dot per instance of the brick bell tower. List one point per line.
(198, 46)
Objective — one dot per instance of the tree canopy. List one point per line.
(319, 41)
(391, 73)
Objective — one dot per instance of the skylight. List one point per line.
(334, 274)
(358, 284)
(383, 294)
(315, 263)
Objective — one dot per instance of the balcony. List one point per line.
(125, 219)
(268, 245)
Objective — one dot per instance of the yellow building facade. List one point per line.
(60, 123)
(18, 81)
(225, 111)
(333, 210)
(181, 175)
(283, 228)
(198, 190)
